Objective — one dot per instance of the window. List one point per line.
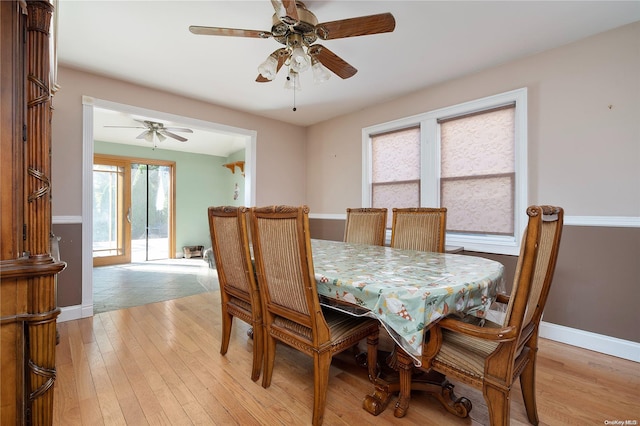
(470, 158)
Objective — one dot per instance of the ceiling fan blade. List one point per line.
(281, 54)
(332, 61)
(146, 123)
(178, 129)
(286, 11)
(229, 32)
(163, 133)
(353, 27)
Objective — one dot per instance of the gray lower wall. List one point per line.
(70, 279)
(596, 284)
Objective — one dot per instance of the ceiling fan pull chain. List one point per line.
(294, 91)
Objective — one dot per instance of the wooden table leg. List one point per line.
(432, 382)
(399, 376)
(404, 367)
(385, 385)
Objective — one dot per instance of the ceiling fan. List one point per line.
(157, 129)
(297, 28)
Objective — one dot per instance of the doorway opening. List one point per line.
(246, 137)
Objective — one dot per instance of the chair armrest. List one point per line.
(503, 298)
(503, 334)
(432, 346)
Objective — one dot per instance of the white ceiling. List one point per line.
(148, 42)
(207, 138)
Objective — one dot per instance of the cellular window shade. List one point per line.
(477, 176)
(395, 169)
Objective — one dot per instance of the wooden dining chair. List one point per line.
(238, 286)
(491, 357)
(419, 228)
(292, 311)
(366, 226)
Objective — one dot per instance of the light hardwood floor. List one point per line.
(160, 364)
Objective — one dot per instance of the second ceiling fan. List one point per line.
(298, 29)
(154, 128)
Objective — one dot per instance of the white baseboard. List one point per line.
(596, 342)
(69, 313)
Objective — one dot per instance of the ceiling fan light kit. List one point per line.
(297, 28)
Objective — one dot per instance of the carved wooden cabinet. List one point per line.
(28, 308)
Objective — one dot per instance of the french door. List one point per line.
(133, 213)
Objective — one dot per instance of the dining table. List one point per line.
(407, 291)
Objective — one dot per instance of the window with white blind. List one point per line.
(395, 169)
(469, 158)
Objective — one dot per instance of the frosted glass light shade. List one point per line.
(299, 60)
(293, 81)
(320, 73)
(269, 68)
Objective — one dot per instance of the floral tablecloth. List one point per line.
(405, 289)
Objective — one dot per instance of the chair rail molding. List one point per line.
(328, 216)
(604, 221)
(66, 220)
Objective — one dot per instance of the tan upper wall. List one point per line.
(583, 154)
(277, 142)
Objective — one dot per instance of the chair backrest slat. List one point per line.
(552, 223)
(229, 239)
(229, 259)
(421, 228)
(366, 226)
(281, 263)
(282, 248)
(536, 266)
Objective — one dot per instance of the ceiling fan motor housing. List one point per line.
(305, 27)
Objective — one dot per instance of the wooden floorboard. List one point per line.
(160, 364)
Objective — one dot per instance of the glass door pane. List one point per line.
(150, 211)
(110, 208)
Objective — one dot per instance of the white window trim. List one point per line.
(430, 165)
